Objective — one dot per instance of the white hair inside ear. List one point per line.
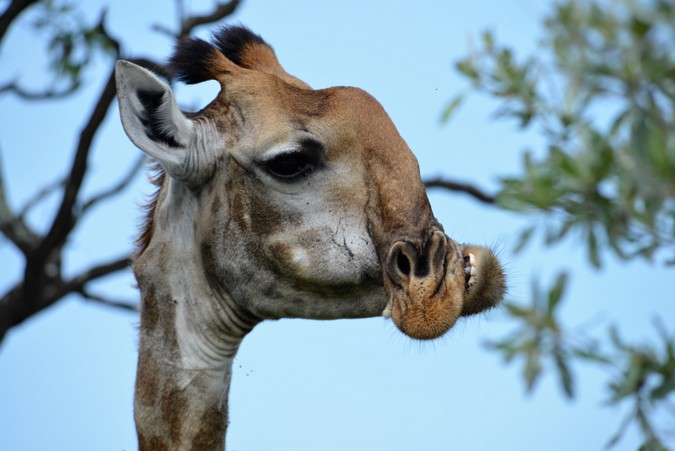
(151, 118)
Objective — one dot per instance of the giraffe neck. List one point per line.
(189, 336)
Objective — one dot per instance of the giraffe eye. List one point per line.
(297, 163)
(290, 166)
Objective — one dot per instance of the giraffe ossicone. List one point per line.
(274, 201)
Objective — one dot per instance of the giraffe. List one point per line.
(274, 201)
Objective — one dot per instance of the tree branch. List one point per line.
(77, 283)
(117, 188)
(40, 196)
(221, 11)
(12, 12)
(124, 305)
(19, 303)
(43, 283)
(189, 23)
(64, 220)
(47, 94)
(13, 226)
(461, 187)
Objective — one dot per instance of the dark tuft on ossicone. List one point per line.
(231, 41)
(191, 60)
(192, 57)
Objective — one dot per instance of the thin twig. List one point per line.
(48, 94)
(461, 187)
(162, 29)
(188, 23)
(118, 187)
(40, 196)
(64, 221)
(13, 226)
(78, 282)
(124, 305)
(221, 11)
(12, 12)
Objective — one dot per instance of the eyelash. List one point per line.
(295, 164)
(291, 166)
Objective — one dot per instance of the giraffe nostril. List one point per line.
(403, 263)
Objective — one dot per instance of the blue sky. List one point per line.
(66, 376)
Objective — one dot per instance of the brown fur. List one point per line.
(490, 287)
(261, 57)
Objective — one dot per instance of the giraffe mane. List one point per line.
(156, 176)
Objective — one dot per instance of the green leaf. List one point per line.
(516, 311)
(593, 252)
(630, 382)
(523, 239)
(556, 292)
(564, 161)
(664, 389)
(616, 338)
(639, 27)
(555, 235)
(488, 41)
(450, 108)
(468, 69)
(564, 372)
(532, 369)
(508, 350)
(592, 355)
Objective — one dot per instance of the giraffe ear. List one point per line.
(151, 118)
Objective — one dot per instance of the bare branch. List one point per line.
(48, 94)
(13, 226)
(40, 196)
(461, 187)
(189, 23)
(12, 12)
(78, 282)
(43, 283)
(64, 220)
(124, 305)
(221, 11)
(118, 187)
(11, 309)
(159, 28)
(24, 300)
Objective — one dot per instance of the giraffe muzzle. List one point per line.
(431, 285)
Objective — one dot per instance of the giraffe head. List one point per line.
(295, 202)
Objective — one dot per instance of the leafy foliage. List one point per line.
(72, 42)
(641, 375)
(601, 91)
(605, 101)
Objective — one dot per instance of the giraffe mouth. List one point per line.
(470, 271)
(430, 289)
